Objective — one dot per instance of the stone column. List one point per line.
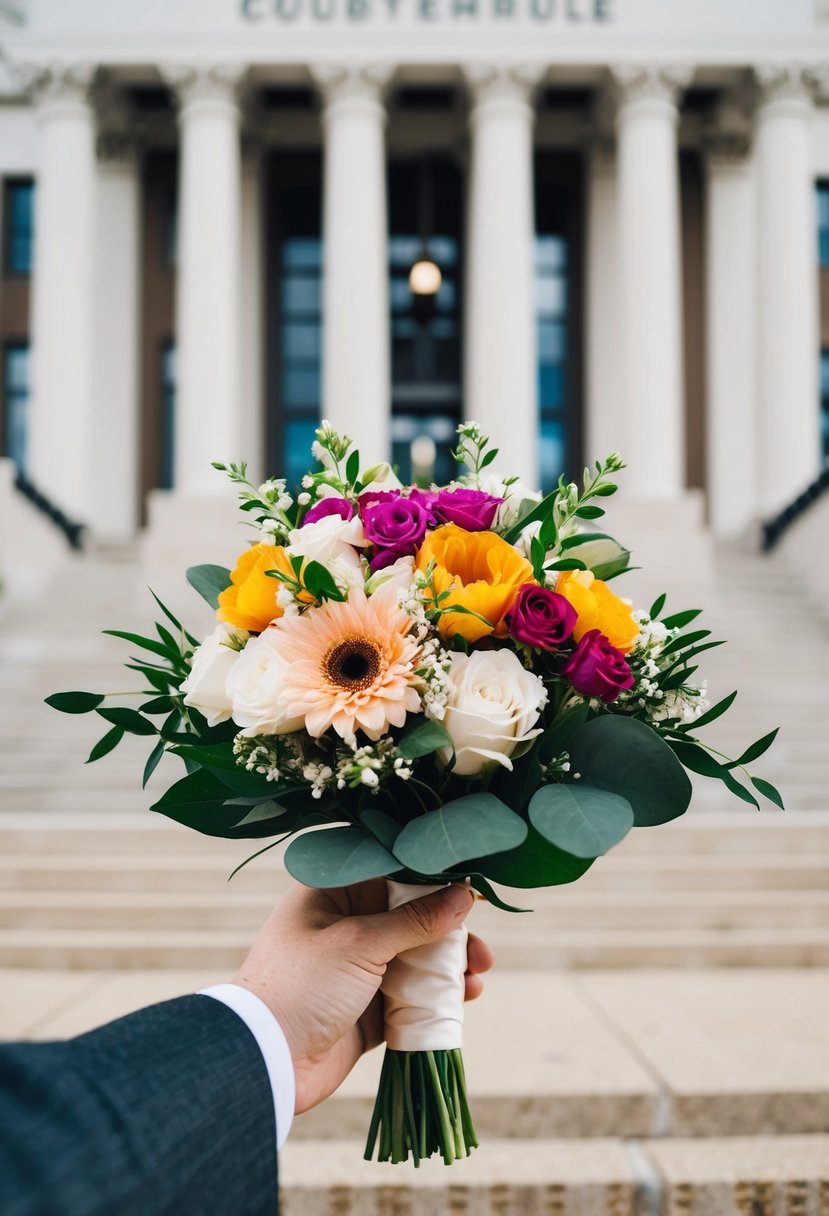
(730, 277)
(604, 423)
(252, 436)
(356, 390)
(500, 341)
(650, 295)
(116, 370)
(787, 338)
(208, 325)
(61, 421)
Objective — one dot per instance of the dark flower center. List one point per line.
(353, 664)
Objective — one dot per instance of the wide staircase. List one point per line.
(654, 1040)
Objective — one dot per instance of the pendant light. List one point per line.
(425, 277)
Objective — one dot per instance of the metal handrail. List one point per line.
(74, 533)
(776, 527)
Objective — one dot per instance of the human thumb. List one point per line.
(419, 921)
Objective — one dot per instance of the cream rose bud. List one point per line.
(493, 706)
(213, 661)
(399, 575)
(255, 687)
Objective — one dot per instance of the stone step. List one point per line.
(141, 832)
(723, 1177)
(532, 950)
(565, 908)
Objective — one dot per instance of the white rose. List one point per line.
(494, 703)
(515, 495)
(255, 689)
(400, 576)
(213, 661)
(331, 541)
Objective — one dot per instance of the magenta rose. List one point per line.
(395, 529)
(541, 618)
(427, 500)
(470, 509)
(329, 506)
(370, 498)
(597, 669)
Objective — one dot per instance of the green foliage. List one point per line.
(580, 819)
(474, 826)
(337, 857)
(75, 702)
(534, 863)
(209, 581)
(628, 758)
(423, 738)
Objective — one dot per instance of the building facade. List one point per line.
(212, 210)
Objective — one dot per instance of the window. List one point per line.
(823, 222)
(551, 337)
(824, 405)
(168, 415)
(301, 351)
(16, 389)
(425, 330)
(19, 212)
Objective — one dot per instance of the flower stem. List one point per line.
(421, 1108)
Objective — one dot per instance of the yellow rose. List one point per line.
(598, 608)
(484, 574)
(250, 600)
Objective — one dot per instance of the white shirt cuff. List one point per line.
(272, 1043)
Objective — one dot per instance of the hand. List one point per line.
(318, 963)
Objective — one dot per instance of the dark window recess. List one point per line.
(823, 222)
(19, 211)
(295, 98)
(171, 228)
(294, 314)
(16, 392)
(557, 314)
(425, 223)
(824, 405)
(150, 99)
(167, 369)
(411, 98)
(567, 99)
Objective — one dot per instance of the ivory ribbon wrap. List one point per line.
(424, 987)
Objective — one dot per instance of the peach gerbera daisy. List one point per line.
(350, 665)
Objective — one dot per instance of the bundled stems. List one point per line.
(421, 1108)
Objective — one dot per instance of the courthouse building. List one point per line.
(589, 224)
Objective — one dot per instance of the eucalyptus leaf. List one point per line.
(580, 819)
(489, 893)
(381, 825)
(423, 739)
(474, 826)
(535, 863)
(628, 758)
(338, 857)
(209, 581)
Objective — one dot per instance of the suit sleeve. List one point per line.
(168, 1110)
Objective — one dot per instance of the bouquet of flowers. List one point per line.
(432, 685)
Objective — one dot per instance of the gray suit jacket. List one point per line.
(169, 1110)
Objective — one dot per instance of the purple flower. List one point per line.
(427, 500)
(541, 618)
(329, 506)
(370, 498)
(470, 509)
(597, 669)
(395, 528)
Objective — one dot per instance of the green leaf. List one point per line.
(539, 511)
(152, 762)
(680, 619)
(158, 705)
(535, 863)
(352, 468)
(338, 857)
(110, 740)
(580, 819)
(685, 640)
(756, 750)
(567, 563)
(711, 714)
(320, 582)
(423, 739)
(698, 760)
(268, 811)
(612, 569)
(628, 758)
(657, 606)
(129, 720)
(586, 511)
(581, 538)
(199, 801)
(75, 702)
(216, 756)
(209, 581)
(731, 783)
(480, 884)
(768, 791)
(144, 643)
(382, 826)
(474, 826)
